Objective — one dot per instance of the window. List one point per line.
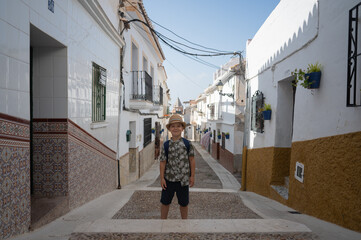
(353, 82)
(98, 93)
(147, 131)
(256, 115)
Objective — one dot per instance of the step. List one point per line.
(281, 190)
(192, 225)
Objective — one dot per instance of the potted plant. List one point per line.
(219, 136)
(310, 78)
(227, 135)
(266, 111)
(153, 130)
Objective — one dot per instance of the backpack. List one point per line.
(166, 147)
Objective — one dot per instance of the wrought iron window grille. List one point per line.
(98, 93)
(353, 81)
(147, 131)
(257, 121)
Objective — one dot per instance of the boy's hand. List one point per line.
(163, 183)
(191, 181)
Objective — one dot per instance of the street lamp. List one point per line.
(219, 86)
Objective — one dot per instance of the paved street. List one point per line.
(217, 210)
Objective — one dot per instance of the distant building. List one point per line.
(178, 107)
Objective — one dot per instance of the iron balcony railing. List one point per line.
(142, 87)
(213, 111)
(158, 95)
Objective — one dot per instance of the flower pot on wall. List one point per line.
(267, 114)
(227, 136)
(219, 136)
(314, 78)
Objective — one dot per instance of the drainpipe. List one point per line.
(119, 112)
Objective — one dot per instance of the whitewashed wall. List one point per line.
(225, 109)
(85, 42)
(144, 49)
(295, 34)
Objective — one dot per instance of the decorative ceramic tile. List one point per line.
(12, 129)
(88, 168)
(67, 160)
(50, 162)
(14, 176)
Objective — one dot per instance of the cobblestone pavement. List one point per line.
(193, 236)
(205, 177)
(210, 203)
(203, 205)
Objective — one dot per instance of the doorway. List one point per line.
(48, 154)
(284, 130)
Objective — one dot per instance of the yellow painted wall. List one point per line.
(266, 166)
(259, 167)
(332, 179)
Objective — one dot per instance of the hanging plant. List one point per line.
(227, 135)
(310, 78)
(266, 111)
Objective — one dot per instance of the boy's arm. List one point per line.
(162, 163)
(192, 162)
(162, 170)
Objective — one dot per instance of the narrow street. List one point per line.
(217, 210)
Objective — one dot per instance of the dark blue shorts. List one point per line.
(175, 187)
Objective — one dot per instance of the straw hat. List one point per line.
(175, 119)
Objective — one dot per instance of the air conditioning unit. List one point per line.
(300, 171)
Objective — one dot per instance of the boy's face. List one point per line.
(176, 129)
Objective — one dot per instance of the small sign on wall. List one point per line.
(299, 172)
(51, 5)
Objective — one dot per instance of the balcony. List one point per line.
(141, 96)
(157, 98)
(213, 112)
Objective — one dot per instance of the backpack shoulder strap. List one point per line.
(186, 142)
(166, 147)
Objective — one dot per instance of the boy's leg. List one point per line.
(166, 199)
(164, 209)
(184, 212)
(183, 200)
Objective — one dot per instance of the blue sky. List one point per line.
(224, 25)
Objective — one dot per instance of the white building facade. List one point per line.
(308, 155)
(145, 95)
(222, 113)
(62, 123)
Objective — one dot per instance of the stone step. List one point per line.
(192, 225)
(282, 190)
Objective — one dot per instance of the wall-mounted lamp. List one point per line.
(219, 86)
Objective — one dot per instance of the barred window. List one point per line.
(353, 79)
(256, 115)
(98, 93)
(147, 131)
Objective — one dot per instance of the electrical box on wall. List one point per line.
(300, 171)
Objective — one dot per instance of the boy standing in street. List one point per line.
(177, 168)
